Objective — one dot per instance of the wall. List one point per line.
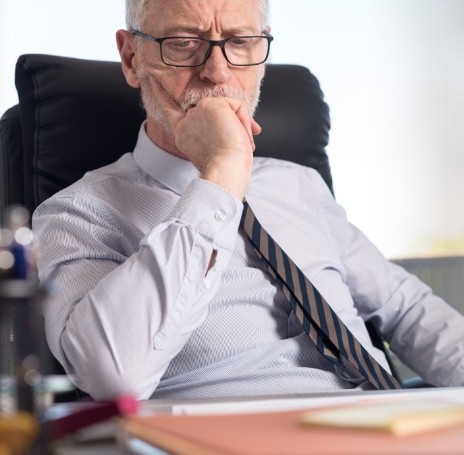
(392, 72)
(393, 75)
(84, 28)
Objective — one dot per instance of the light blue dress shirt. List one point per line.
(136, 310)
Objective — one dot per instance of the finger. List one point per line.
(255, 127)
(244, 117)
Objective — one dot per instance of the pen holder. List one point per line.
(21, 362)
(22, 345)
(24, 356)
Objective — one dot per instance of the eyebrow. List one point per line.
(236, 31)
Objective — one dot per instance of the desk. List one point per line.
(240, 405)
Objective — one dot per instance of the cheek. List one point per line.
(174, 80)
(250, 81)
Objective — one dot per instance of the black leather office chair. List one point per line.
(76, 115)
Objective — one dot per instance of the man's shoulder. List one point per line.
(104, 183)
(275, 166)
(124, 169)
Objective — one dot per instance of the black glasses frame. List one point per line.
(221, 43)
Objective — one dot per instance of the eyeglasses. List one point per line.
(187, 51)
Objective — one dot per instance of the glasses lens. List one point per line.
(241, 51)
(251, 50)
(184, 51)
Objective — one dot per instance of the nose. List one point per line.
(216, 69)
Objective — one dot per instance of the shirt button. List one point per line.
(219, 215)
(206, 283)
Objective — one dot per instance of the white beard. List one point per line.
(191, 98)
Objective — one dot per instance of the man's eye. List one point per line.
(243, 43)
(184, 43)
(239, 41)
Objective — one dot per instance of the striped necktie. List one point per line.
(327, 331)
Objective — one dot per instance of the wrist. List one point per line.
(231, 175)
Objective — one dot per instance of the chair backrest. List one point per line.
(75, 115)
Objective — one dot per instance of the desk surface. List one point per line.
(290, 402)
(90, 440)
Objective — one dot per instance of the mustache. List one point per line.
(191, 97)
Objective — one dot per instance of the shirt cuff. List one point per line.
(211, 210)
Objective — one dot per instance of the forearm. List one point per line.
(427, 335)
(116, 326)
(425, 332)
(121, 336)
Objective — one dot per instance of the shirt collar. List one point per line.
(171, 171)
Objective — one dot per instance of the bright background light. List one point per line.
(392, 72)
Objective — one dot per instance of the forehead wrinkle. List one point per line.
(182, 14)
(204, 16)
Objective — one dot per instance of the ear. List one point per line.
(128, 52)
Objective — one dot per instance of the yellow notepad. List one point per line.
(398, 417)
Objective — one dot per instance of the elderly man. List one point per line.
(160, 291)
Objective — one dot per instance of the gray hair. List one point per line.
(137, 11)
